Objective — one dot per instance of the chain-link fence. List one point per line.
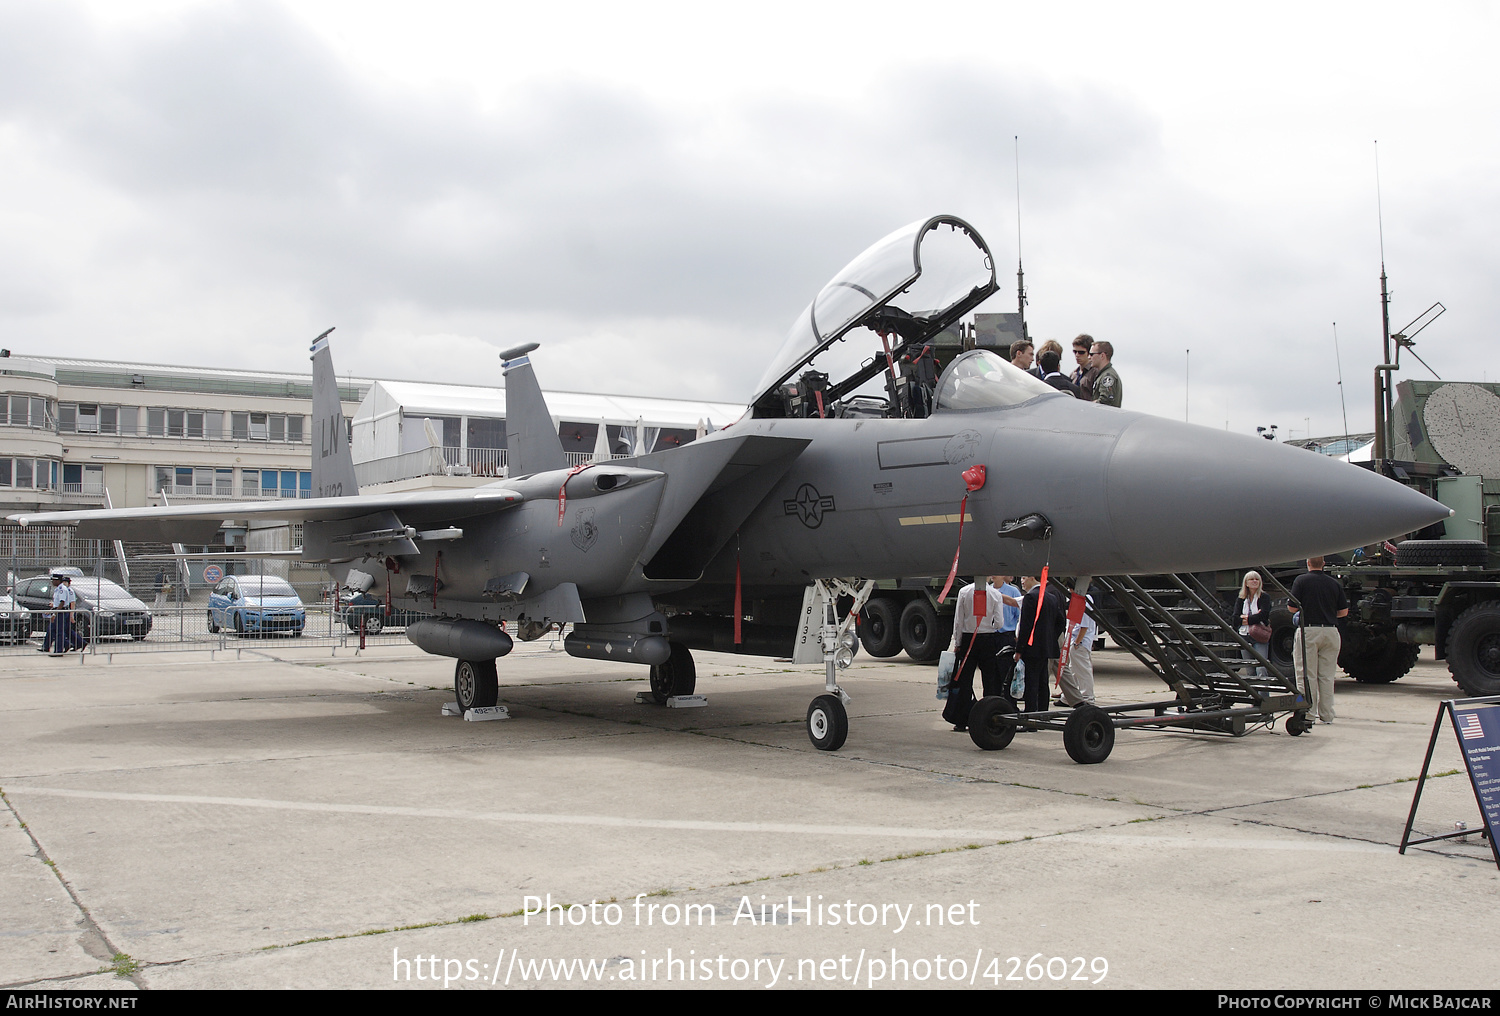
(142, 598)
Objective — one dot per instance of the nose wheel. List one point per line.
(827, 723)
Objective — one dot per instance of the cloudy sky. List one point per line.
(655, 190)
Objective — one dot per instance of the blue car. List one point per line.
(255, 605)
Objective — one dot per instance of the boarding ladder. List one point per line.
(1177, 626)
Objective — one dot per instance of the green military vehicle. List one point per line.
(1443, 588)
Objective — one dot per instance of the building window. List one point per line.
(278, 428)
(130, 420)
(294, 429)
(5, 472)
(109, 419)
(156, 422)
(24, 472)
(224, 482)
(88, 419)
(258, 426)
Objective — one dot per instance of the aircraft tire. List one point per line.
(678, 676)
(988, 727)
(213, 626)
(1089, 735)
(921, 632)
(476, 684)
(880, 627)
(827, 723)
(1474, 650)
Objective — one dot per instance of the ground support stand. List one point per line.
(1174, 629)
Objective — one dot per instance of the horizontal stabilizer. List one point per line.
(187, 523)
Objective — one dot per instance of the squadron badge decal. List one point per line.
(962, 447)
(584, 531)
(809, 505)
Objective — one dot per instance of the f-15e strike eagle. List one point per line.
(748, 539)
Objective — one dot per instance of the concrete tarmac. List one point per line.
(297, 819)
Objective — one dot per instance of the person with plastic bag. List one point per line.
(978, 620)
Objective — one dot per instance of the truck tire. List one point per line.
(923, 633)
(1474, 650)
(880, 627)
(1375, 657)
(1442, 553)
(1283, 639)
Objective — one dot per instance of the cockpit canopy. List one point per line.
(909, 286)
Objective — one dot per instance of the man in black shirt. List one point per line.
(1316, 650)
(1044, 615)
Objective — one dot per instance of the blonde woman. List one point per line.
(1253, 611)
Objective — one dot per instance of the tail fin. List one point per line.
(531, 441)
(332, 463)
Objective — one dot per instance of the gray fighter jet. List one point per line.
(764, 537)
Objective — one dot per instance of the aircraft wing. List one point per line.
(197, 523)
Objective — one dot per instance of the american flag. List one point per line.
(1468, 725)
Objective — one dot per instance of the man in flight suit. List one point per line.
(1107, 388)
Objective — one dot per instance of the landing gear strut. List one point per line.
(827, 717)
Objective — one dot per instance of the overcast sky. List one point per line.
(654, 191)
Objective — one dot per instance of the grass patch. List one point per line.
(123, 965)
(1430, 776)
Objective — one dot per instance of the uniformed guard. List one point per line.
(1107, 387)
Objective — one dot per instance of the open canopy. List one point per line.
(910, 285)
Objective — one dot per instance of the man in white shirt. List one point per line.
(976, 641)
(1076, 682)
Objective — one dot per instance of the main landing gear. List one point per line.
(827, 717)
(678, 676)
(476, 684)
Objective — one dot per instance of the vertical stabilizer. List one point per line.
(332, 463)
(531, 441)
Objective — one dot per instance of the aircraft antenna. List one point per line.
(1020, 270)
(1383, 386)
(1340, 364)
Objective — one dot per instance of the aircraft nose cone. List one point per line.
(1184, 497)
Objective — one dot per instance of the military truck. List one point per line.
(1442, 588)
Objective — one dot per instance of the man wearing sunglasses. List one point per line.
(1084, 374)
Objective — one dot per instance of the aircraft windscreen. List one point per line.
(920, 271)
(982, 379)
